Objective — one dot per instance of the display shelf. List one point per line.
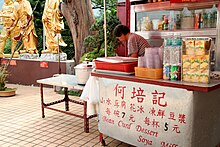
(211, 32)
(157, 11)
(165, 8)
(174, 6)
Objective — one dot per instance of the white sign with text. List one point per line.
(145, 115)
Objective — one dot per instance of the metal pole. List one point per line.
(44, 39)
(105, 32)
(128, 9)
(59, 69)
(217, 42)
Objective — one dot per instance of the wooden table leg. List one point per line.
(86, 120)
(42, 100)
(66, 99)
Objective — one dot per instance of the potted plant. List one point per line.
(5, 91)
(3, 76)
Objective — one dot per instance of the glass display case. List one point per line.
(155, 21)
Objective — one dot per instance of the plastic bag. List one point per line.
(91, 91)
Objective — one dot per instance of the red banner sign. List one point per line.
(13, 62)
(183, 1)
(44, 64)
(4, 61)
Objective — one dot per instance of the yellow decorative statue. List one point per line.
(9, 18)
(53, 24)
(26, 25)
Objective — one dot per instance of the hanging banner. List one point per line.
(145, 115)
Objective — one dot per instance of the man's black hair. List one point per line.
(121, 29)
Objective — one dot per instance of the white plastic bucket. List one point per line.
(82, 73)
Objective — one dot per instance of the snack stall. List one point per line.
(157, 113)
(172, 102)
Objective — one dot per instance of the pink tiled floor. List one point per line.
(21, 124)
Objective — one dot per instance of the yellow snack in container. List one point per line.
(195, 76)
(195, 63)
(190, 47)
(186, 61)
(204, 76)
(204, 62)
(200, 47)
(186, 77)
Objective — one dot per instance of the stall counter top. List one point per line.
(213, 85)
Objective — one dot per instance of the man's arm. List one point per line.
(134, 55)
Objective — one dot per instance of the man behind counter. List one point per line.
(136, 43)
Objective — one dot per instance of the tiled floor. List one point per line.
(21, 124)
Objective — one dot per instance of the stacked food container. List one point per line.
(172, 57)
(196, 59)
(186, 59)
(117, 65)
(150, 65)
